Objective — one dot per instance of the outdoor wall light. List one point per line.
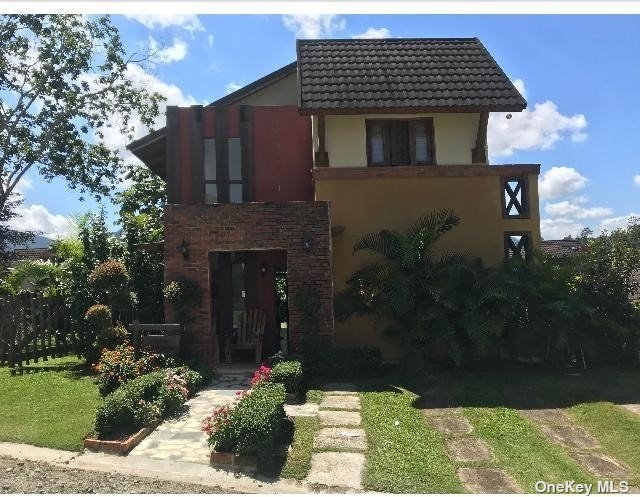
(263, 268)
(184, 248)
(307, 244)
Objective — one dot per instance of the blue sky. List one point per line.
(580, 76)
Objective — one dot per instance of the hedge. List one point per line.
(253, 423)
(289, 373)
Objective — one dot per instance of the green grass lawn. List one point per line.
(298, 461)
(405, 455)
(52, 405)
(617, 430)
(521, 451)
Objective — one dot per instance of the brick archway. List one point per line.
(302, 229)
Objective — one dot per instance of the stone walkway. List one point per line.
(463, 447)
(340, 442)
(180, 439)
(558, 427)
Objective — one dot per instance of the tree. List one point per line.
(141, 213)
(65, 81)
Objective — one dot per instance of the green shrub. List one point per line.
(251, 426)
(98, 318)
(141, 401)
(125, 409)
(204, 370)
(111, 337)
(110, 276)
(119, 365)
(289, 373)
(322, 360)
(193, 379)
(183, 294)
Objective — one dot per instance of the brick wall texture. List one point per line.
(250, 226)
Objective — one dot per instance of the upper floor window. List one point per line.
(397, 142)
(225, 185)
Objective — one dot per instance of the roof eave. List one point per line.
(305, 110)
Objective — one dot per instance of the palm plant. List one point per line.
(425, 299)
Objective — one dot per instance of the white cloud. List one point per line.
(36, 217)
(614, 223)
(190, 22)
(314, 25)
(519, 84)
(210, 39)
(113, 137)
(537, 129)
(166, 55)
(231, 87)
(25, 183)
(559, 181)
(372, 33)
(567, 209)
(557, 229)
(636, 180)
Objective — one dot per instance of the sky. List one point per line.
(579, 74)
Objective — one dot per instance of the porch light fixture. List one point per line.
(307, 243)
(184, 248)
(263, 268)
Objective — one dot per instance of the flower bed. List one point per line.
(241, 432)
(132, 411)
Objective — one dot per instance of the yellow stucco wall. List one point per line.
(283, 92)
(455, 136)
(372, 204)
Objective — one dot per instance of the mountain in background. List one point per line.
(39, 241)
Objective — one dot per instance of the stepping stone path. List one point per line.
(464, 448)
(341, 440)
(180, 439)
(558, 427)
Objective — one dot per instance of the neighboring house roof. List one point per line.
(33, 254)
(434, 74)
(561, 248)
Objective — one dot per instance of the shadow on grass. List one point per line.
(527, 389)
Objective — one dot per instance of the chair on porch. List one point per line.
(249, 337)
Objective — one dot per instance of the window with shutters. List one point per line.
(398, 142)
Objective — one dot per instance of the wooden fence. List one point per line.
(32, 328)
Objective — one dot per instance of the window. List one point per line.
(216, 187)
(210, 172)
(515, 197)
(517, 245)
(235, 170)
(397, 142)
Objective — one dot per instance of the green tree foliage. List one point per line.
(141, 213)
(578, 313)
(43, 277)
(64, 81)
(607, 273)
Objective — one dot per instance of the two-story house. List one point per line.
(270, 187)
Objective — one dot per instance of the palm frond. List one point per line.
(387, 243)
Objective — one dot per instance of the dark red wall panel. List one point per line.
(186, 116)
(282, 154)
(209, 122)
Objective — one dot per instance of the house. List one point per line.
(274, 183)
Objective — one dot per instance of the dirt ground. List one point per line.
(26, 477)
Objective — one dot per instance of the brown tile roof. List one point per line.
(421, 73)
(33, 254)
(561, 248)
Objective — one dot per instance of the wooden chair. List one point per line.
(250, 331)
